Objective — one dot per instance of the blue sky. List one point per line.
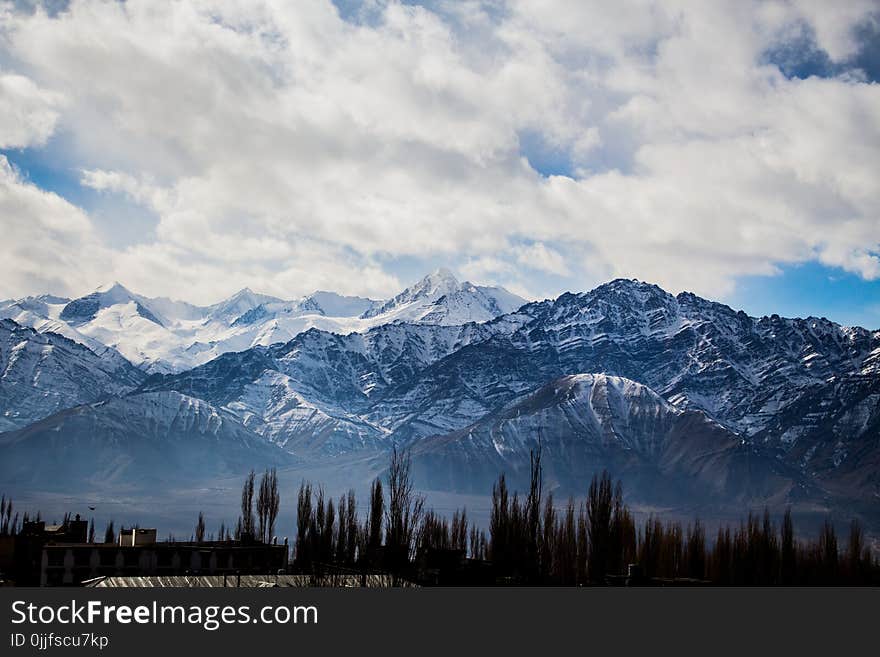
(814, 290)
(356, 146)
(51, 168)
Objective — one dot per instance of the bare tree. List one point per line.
(404, 512)
(696, 551)
(599, 507)
(566, 547)
(856, 551)
(200, 528)
(347, 532)
(788, 552)
(546, 553)
(372, 533)
(828, 554)
(5, 516)
(247, 507)
(352, 529)
(478, 543)
(268, 502)
(500, 547)
(302, 554)
(532, 515)
(459, 538)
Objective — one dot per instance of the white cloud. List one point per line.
(27, 112)
(283, 148)
(539, 257)
(834, 23)
(47, 244)
(145, 193)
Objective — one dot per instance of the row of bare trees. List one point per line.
(251, 526)
(532, 541)
(586, 545)
(389, 536)
(256, 522)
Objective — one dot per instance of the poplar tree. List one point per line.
(404, 512)
(788, 566)
(372, 531)
(247, 507)
(200, 529)
(268, 502)
(599, 508)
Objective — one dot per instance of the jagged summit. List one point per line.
(439, 298)
(86, 308)
(114, 288)
(165, 335)
(440, 277)
(428, 289)
(636, 291)
(238, 304)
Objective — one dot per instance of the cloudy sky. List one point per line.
(190, 149)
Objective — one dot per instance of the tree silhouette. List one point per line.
(247, 508)
(200, 529)
(372, 531)
(110, 533)
(788, 551)
(268, 502)
(599, 508)
(403, 514)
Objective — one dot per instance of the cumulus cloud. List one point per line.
(47, 242)
(540, 257)
(27, 112)
(283, 147)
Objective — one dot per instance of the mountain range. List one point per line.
(163, 335)
(686, 399)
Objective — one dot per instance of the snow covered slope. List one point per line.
(832, 433)
(137, 441)
(440, 299)
(162, 335)
(400, 383)
(41, 373)
(589, 422)
(312, 394)
(742, 371)
(412, 369)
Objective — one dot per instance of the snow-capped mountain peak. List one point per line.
(114, 288)
(439, 298)
(165, 335)
(428, 290)
(665, 379)
(85, 309)
(440, 281)
(238, 304)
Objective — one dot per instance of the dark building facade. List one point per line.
(73, 564)
(60, 555)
